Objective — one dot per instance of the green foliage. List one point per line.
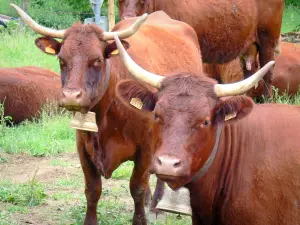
(6, 9)
(291, 19)
(285, 98)
(27, 194)
(6, 218)
(18, 49)
(49, 134)
(124, 171)
(54, 14)
(12, 26)
(292, 2)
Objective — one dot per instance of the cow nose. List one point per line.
(169, 162)
(69, 94)
(169, 165)
(74, 100)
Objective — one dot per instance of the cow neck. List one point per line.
(210, 159)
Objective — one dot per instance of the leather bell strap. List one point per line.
(210, 159)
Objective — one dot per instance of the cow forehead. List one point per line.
(187, 106)
(85, 42)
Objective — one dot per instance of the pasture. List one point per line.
(41, 177)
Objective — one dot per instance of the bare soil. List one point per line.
(20, 168)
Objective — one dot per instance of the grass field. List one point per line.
(41, 178)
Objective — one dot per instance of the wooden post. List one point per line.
(111, 14)
(24, 6)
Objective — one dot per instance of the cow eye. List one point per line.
(205, 123)
(61, 62)
(97, 62)
(157, 118)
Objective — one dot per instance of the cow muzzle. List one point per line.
(167, 166)
(74, 100)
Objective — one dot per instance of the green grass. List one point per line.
(19, 49)
(124, 171)
(26, 194)
(47, 135)
(291, 19)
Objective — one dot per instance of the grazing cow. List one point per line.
(25, 89)
(238, 171)
(225, 29)
(87, 70)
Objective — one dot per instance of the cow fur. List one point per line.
(254, 178)
(122, 136)
(225, 29)
(24, 90)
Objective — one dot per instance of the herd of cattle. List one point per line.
(239, 160)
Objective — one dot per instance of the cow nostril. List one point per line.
(159, 161)
(79, 94)
(177, 164)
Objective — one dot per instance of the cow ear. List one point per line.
(112, 49)
(48, 45)
(136, 96)
(232, 108)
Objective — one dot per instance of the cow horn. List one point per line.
(243, 86)
(37, 27)
(127, 32)
(137, 71)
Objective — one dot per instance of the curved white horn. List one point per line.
(127, 32)
(37, 27)
(137, 71)
(243, 86)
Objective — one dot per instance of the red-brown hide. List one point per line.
(25, 90)
(162, 46)
(286, 74)
(225, 29)
(254, 178)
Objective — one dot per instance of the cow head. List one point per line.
(187, 111)
(131, 8)
(83, 56)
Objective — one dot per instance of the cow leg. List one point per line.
(139, 186)
(267, 53)
(158, 193)
(93, 187)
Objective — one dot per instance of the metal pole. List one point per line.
(111, 14)
(98, 11)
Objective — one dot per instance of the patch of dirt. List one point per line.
(20, 168)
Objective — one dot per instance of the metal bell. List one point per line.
(176, 201)
(85, 122)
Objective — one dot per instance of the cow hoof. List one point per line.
(139, 219)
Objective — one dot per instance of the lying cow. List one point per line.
(286, 75)
(225, 29)
(89, 76)
(25, 90)
(244, 170)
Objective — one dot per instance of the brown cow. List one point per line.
(225, 29)
(86, 67)
(25, 90)
(241, 171)
(286, 74)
